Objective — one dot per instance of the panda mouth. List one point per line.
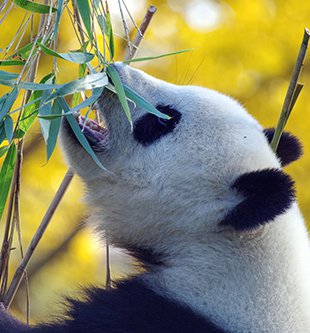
(96, 134)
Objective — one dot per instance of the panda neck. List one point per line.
(242, 284)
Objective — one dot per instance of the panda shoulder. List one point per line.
(132, 307)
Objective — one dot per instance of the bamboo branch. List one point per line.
(19, 274)
(141, 32)
(10, 224)
(292, 93)
(108, 284)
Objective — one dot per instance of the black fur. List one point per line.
(149, 128)
(289, 148)
(130, 308)
(268, 193)
(147, 258)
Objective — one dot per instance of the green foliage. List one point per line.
(6, 175)
(34, 7)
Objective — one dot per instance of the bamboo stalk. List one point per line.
(141, 32)
(19, 274)
(293, 91)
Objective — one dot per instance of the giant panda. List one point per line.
(202, 201)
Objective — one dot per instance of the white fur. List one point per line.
(171, 196)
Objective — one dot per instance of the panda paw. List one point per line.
(268, 193)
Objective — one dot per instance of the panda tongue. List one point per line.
(93, 131)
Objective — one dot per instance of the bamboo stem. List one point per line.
(141, 32)
(19, 274)
(293, 91)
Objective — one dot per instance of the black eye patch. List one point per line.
(150, 128)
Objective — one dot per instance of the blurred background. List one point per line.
(246, 49)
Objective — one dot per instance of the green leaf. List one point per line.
(87, 102)
(2, 132)
(18, 133)
(102, 24)
(6, 175)
(88, 82)
(59, 12)
(30, 112)
(113, 74)
(30, 85)
(24, 51)
(6, 105)
(34, 7)
(78, 133)
(46, 109)
(7, 76)
(77, 57)
(156, 57)
(3, 150)
(31, 109)
(44, 123)
(8, 127)
(12, 63)
(53, 129)
(143, 103)
(84, 10)
(109, 30)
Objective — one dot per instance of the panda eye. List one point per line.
(150, 128)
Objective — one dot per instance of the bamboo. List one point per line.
(19, 274)
(293, 91)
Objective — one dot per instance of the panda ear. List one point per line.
(267, 193)
(289, 148)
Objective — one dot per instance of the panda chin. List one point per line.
(96, 134)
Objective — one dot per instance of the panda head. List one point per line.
(172, 181)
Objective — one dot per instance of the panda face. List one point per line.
(168, 179)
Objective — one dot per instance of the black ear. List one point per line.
(268, 193)
(289, 148)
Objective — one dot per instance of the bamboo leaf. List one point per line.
(143, 103)
(84, 10)
(77, 57)
(59, 12)
(78, 133)
(30, 85)
(53, 130)
(6, 175)
(34, 7)
(7, 76)
(12, 63)
(113, 74)
(2, 132)
(3, 150)
(31, 109)
(88, 82)
(30, 112)
(6, 105)
(109, 30)
(24, 51)
(45, 109)
(87, 102)
(8, 127)
(156, 57)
